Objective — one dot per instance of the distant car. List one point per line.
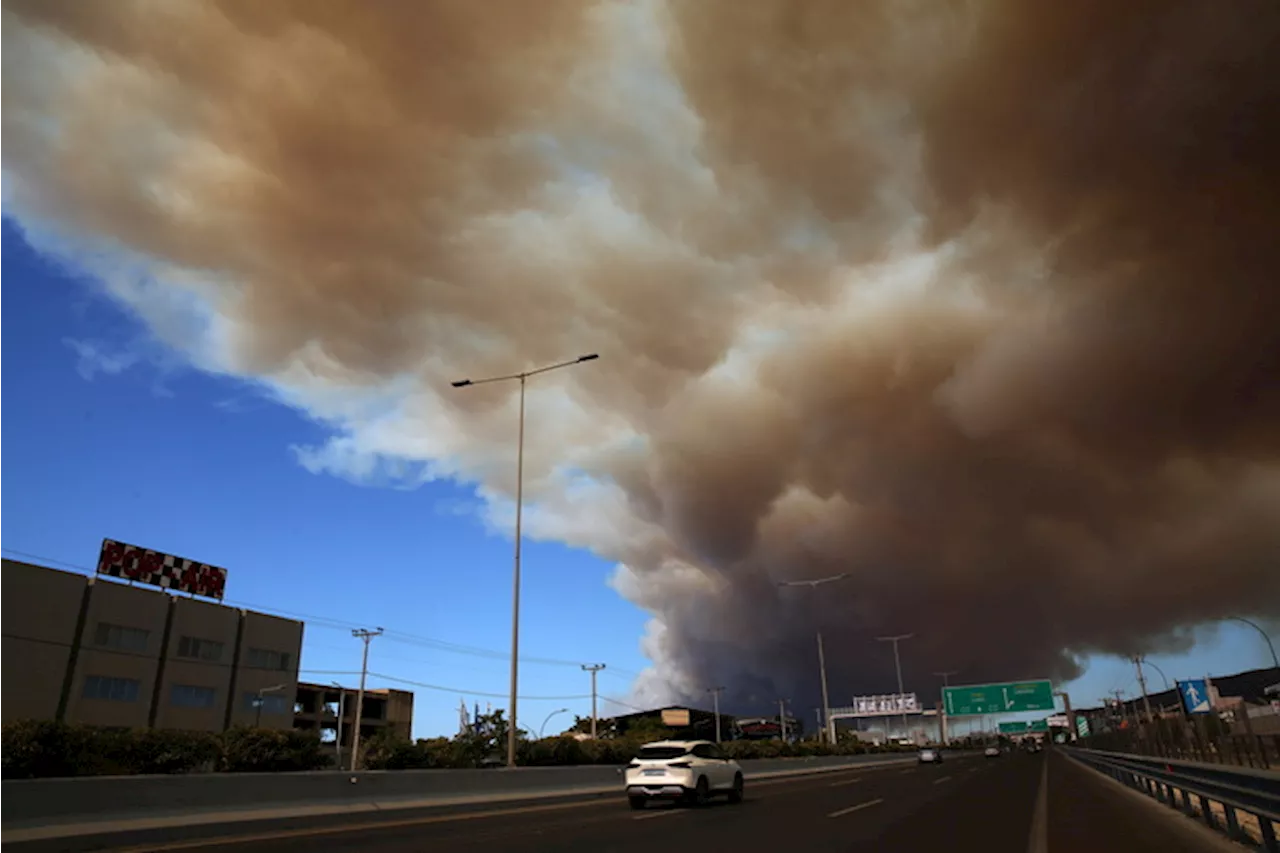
(929, 755)
(991, 752)
(689, 771)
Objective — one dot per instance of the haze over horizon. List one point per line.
(975, 305)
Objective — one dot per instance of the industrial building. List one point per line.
(330, 709)
(109, 653)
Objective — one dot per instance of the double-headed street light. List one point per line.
(822, 660)
(515, 579)
(897, 663)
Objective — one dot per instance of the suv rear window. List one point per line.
(662, 752)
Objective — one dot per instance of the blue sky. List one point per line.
(110, 435)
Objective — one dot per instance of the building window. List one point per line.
(272, 703)
(111, 689)
(192, 696)
(198, 649)
(121, 637)
(269, 659)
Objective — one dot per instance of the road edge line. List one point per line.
(1038, 842)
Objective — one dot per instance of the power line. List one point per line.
(401, 637)
(465, 692)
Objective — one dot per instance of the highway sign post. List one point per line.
(1004, 698)
(1082, 726)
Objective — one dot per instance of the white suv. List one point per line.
(687, 770)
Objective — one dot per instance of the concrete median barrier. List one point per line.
(50, 808)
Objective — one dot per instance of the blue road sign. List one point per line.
(1195, 696)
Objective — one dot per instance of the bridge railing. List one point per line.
(1233, 800)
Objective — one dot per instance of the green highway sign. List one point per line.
(1020, 727)
(1006, 698)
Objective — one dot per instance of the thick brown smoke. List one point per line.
(974, 301)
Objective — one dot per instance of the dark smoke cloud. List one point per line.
(975, 302)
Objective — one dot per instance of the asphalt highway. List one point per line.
(1013, 804)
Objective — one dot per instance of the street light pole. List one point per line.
(1275, 661)
(715, 699)
(897, 663)
(259, 702)
(542, 728)
(1142, 683)
(825, 725)
(943, 725)
(342, 696)
(523, 378)
(782, 718)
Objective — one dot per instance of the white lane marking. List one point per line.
(940, 781)
(846, 782)
(974, 769)
(1039, 840)
(908, 770)
(859, 807)
(663, 813)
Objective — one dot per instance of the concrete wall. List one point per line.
(40, 609)
(120, 606)
(40, 802)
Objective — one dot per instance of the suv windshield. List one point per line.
(661, 752)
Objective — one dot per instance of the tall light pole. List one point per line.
(593, 668)
(523, 378)
(897, 663)
(824, 724)
(715, 699)
(782, 718)
(1255, 626)
(365, 635)
(342, 695)
(943, 725)
(1142, 683)
(542, 728)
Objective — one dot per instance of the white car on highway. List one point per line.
(690, 771)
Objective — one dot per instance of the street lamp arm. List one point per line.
(465, 383)
(815, 582)
(1255, 626)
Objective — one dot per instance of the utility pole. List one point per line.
(715, 698)
(782, 718)
(897, 663)
(1142, 682)
(513, 728)
(366, 636)
(593, 668)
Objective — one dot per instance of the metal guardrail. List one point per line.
(1174, 783)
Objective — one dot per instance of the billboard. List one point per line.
(888, 703)
(155, 568)
(675, 717)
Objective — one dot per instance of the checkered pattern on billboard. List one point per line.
(140, 565)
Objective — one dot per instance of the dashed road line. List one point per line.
(663, 813)
(859, 807)
(941, 780)
(846, 782)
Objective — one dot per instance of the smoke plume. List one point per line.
(975, 302)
